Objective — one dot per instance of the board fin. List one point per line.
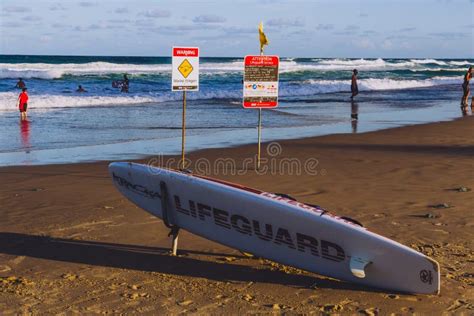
(357, 266)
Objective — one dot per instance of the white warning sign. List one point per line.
(185, 74)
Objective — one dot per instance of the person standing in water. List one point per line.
(125, 84)
(354, 87)
(23, 104)
(465, 89)
(20, 84)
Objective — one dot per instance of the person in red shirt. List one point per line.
(23, 104)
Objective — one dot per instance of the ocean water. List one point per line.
(65, 126)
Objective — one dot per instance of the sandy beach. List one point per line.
(70, 243)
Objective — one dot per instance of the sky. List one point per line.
(297, 28)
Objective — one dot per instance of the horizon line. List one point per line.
(155, 56)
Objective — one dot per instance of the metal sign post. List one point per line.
(259, 137)
(183, 132)
(184, 77)
(260, 88)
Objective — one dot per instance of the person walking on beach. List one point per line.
(465, 89)
(20, 84)
(23, 104)
(354, 88)
(125, 84)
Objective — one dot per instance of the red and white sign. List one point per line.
(185, 74)
(261, 81)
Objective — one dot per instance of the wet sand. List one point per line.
(70, 243)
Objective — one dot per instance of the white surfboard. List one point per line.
(277, 228)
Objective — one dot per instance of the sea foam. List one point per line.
(287, 89)
(55, 71)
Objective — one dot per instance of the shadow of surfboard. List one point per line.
(155, 259)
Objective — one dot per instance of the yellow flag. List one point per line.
(263, 37)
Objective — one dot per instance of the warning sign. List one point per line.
(185, 68)
(261, 81)
(185, 74)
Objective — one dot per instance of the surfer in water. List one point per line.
(23, 104)
(80, 89)
(354, 88)
(125, 84)
(20, 84)
(465, 89)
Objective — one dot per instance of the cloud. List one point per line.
(94, 27)
(282, 22)
(325, 27)
(209, 18)
(119, 21)
(369, 33)
(449, 35)
(102, 26)
(238, 30)
(79, 28)
(156, 13)
(300, 32)
(16, 9)
(179, 29)
(363, 15)
(87, 4)
(144, 23)
(45, 38)
(352, 27)
(32, 18)
(121, 10)
(406, 37)
(59, 25)
(407, 29)
(364, 43)
(57, 7)
(344, 33)
(387, 44)
(12, 24)
(271, 1)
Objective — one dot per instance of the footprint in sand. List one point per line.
(372, 311)
(69, 276)
(331, 308)
(185, 303)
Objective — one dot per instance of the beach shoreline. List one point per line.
(140, 149)
(314, 98)
(71, 243)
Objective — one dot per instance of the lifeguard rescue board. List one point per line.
(277, 228)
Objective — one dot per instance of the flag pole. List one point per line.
(259, 136)
(259, 129)
(263, 41)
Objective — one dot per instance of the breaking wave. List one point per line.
(289, 89)
(287, 65)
